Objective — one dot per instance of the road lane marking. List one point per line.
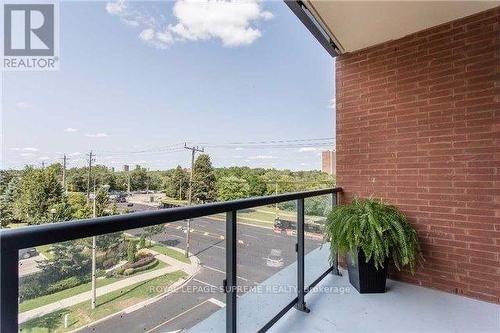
(179, 315)
(251, 236)
(220, 271)
(206, 283)
(217, 302)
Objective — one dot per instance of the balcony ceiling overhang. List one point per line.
(355, 25)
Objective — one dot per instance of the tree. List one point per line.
(131, 250)
(150, 231)
(232, 188)
(204, 182)
(38, 191)
(138, 178)
(78, 204)
(7, 199)
(70, 259)
(177, 184)
(101, 201)
(257, 186)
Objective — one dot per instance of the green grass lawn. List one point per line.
(47, 299)
(15, 225)
(263, 216)
(158, 247)
(170, 252)
(45, 251)
(81, 314)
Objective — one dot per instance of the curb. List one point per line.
(145, 303)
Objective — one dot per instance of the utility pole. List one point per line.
(90, 160)
(180, 190)
(276, 206)
(190, 195)
(43, 165)
(128, 181)
(94, 241)
(64, 174)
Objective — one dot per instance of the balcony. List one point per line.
(337, 307)
(293, 241)
(417, 125)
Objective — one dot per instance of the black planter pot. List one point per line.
(364, 276)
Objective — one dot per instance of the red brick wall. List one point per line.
(418, 125)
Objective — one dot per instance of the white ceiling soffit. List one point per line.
(355, 25)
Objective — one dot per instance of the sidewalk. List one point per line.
(175, 265)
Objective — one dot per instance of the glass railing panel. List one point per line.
(144, 281)
(266, 261)
(317, 252)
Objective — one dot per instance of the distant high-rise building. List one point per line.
(112, 169)
(328, 162)
(126, 168)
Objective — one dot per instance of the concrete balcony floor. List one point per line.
(338, 307)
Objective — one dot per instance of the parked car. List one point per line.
(130, 204)
(274, 259)
(27, 253)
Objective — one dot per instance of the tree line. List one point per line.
(35, 196)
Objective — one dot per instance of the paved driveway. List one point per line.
(29, 266)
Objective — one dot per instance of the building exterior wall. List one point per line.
(418, 123)
(328, 161)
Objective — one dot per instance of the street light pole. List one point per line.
(190, 196)
(94, 241)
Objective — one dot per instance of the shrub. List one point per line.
(141, 262)
(109, 262)
(64, 284)
(142, 242)
(379, 230)
(152, 264)
(131, 250)
(130, 271)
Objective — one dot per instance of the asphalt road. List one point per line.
(202, 295)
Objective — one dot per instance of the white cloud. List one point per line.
(96, 135)
(70, 129)
(116, 7)
(25, 149)
(307, 149)
(23, 105)
(232, 22)
(238, 148)
(229, 21)
(76, 153)
(262, 157)
(333, 103)
(27, 154)
(44, 158)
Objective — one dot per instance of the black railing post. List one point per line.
(9, 294)
(335, 270)
(301, 304)
(230, 283)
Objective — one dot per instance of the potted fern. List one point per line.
(370, 233)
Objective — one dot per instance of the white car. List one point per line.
(274, 259)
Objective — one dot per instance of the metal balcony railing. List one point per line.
(11, 241)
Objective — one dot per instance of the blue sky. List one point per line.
(137, 79)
